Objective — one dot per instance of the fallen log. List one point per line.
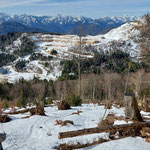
(18, 112)
(123, 129)
(77, 146)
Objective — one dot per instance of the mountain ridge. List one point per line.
(68, 24)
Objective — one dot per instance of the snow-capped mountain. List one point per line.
(49, 50)
(68, 24)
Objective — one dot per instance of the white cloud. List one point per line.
(9, 3)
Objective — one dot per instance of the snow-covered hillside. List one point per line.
(41, 132)
(60, 47)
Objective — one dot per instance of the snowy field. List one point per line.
(41, 132)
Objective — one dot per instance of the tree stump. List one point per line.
(4, 118)
(37, 111)
(131, 108)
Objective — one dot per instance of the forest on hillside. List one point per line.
(99, 78)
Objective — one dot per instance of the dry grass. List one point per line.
(144, 105)
(64, 123)
(145, 132)
(10, 104)
(77, 113)
(109, 121)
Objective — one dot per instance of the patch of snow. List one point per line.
(129, 143)
(41, 133)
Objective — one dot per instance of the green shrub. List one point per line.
(74, 100)
(21, 102)
(5, 104)
(20, 65)
(54, 52)
(48, 101)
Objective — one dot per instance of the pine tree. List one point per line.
(21, 101)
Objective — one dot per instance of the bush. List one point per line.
(63, 105)
(54, 52)
(74, 100)
(5, 104)
(48, 101)
(21, 101)
(20, 65)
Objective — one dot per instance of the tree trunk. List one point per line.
(131, 108)
(124, 129)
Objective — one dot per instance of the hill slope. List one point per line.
(40, 54)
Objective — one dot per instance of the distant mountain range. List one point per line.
(60, 24)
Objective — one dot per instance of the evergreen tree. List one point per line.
(21, 101)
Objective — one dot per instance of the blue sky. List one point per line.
(88, 8)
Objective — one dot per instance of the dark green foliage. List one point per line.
(8, 39)
(115, 61)
(20, 65)
(54, 52)
(48, 101)
(146, 92)
(69, 71)
(27, 47)
(38, 56)
(6, 58)
(74, 100)
(21, 101)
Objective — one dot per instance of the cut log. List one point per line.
(124, 130)
(18, 112)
